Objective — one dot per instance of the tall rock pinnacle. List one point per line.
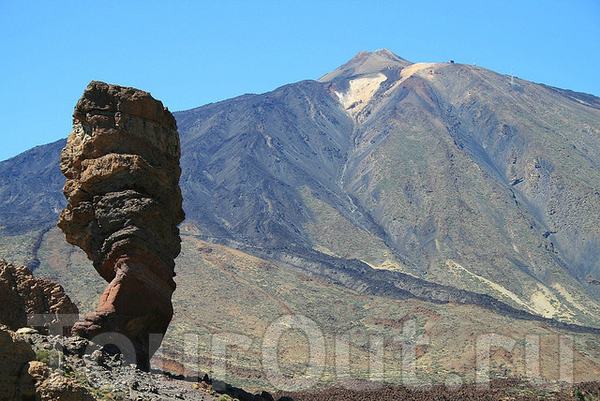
(124, 204)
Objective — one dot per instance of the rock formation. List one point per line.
(124, 204)
(50, 385)
(15, 353)
(22, 296)
(24, 378)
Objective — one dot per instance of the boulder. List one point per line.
(15, 353)
(51, 385)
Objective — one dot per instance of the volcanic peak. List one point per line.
(365, 63)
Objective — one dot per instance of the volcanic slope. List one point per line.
(449, 172)
(432, 181)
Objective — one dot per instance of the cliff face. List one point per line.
(122, 167)
(22, 295)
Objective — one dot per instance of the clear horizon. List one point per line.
(188, 54)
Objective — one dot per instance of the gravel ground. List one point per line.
(509, 389)
(105, 375)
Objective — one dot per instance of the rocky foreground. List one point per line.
(53, 367)
(38, 366)
(48, 367)
(35, 365)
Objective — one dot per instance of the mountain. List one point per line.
(387, 185)
(448, 172)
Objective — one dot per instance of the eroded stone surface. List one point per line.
(124, 203)
(15, 353)
(24, 296)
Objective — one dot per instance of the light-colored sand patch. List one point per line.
(325, 250)
(414, 68)
(496, 287)
(389, 264)
(269, 141)
(570, 299)
(541, 301)
(360, 92)
(411, 70)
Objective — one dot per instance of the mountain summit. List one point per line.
(367, 63)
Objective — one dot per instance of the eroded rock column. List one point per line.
(124, 204)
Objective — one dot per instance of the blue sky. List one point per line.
(189, 53)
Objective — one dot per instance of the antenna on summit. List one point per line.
(512, 78)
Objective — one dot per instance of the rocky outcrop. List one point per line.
(51, 385)
(74, 368)
(24, 378)
(124, 204)
(24, 296)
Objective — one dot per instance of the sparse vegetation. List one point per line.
(49, 357)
